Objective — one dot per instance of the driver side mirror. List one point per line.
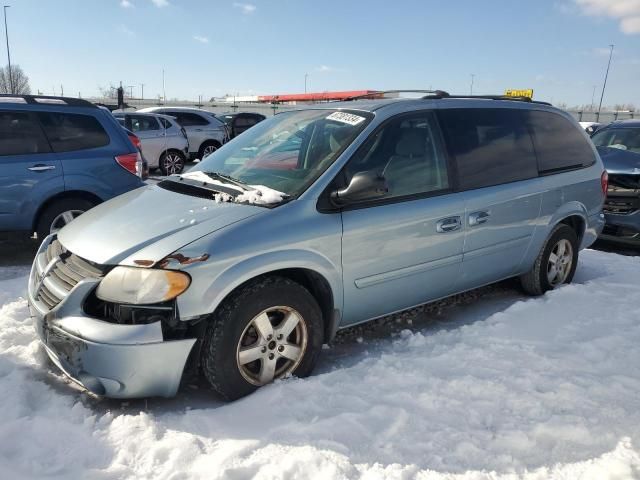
(368, 185)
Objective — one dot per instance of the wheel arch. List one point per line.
(65, 195)
(577, 223)
(208, 141)
(314, 272)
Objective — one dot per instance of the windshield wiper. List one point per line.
(229, 179)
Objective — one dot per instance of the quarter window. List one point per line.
(490, 146)
(20, 134)
(69, 132)
(559, 144)
(408, 153)
(165, 123)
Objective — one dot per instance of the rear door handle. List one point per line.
(41, 168)
(448, 224)
(478, 218)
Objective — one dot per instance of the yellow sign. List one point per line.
(519, 93)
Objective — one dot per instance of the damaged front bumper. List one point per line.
(109, 359)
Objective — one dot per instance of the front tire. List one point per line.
(267, 330)
(60, 213)
(556, 264)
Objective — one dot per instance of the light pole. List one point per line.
(130, 87)
(305, 82)
(471, 89)
(593, 96)
(606, 75)
(142, 91)
(164, 93)
(6, 33)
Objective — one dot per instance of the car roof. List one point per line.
(177, 109)
(368, 105)
(45, 100)
(147, 114)
(630, 123)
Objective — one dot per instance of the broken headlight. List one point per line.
(142, 285)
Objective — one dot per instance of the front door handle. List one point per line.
(41, 168)
(478, 218)
(448, 224)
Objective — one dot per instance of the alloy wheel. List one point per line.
(208, 150)
(172, 163)
(272, 345)
(63, 219)
(560, 262)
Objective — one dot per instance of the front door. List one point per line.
(29, 171)
(405, 249)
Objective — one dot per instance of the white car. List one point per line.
(164, 143)
(206, 132)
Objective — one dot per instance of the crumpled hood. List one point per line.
(616, 160)
(146, 224)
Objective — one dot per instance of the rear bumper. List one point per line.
(113, 360)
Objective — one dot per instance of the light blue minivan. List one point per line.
(314, 220)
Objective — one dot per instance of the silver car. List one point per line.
(312, 221)
(205, 132)
(163, 142)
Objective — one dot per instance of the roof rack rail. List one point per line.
(485, 97)
(47, 99)
(383, 92)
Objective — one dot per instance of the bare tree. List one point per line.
(20, 81)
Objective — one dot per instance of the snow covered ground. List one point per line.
(502, 387)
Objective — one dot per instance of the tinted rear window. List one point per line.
(490, 146)
(559, 144)
(69, 132)
(20, 134)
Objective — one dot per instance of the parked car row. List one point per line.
(164, 143)
(171, 136)
(312, 221)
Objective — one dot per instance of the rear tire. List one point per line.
(171, 162)
(556, 264)
(207, 148)
(60, 213)
(267, 330)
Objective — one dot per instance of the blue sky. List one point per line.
(557, 47)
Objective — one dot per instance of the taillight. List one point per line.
(136, 141)
(131, 162)
(604, 181)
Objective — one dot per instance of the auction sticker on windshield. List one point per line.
(348, 118)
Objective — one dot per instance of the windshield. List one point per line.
(289, 151)
(622, 138)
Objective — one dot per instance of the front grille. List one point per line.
(68, 270)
